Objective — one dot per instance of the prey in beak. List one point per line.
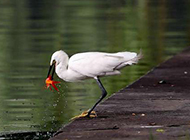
(49, 80)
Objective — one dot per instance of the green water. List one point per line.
(31, 30)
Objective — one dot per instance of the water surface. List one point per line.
(30, 31)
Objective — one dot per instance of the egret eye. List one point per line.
(54, 62)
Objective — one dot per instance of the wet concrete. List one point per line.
(157, 106)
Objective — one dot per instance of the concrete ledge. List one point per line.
(157, 106)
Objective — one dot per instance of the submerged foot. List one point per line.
(85, 114)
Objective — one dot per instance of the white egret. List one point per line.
(90, 65)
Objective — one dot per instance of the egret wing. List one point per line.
(96, 64)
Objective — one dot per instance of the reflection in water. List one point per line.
(30, 31)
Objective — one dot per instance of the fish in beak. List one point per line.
(49, 80)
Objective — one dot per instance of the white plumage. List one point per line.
(91, 64)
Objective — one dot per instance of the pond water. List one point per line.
(30, 31)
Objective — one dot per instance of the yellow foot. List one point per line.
(85, 114)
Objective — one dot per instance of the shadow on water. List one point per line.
(30, 31)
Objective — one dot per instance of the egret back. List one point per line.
(93, 64)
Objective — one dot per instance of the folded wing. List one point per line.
(92, 64)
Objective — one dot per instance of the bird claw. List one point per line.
(85, 114)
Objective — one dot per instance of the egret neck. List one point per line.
(62, 70)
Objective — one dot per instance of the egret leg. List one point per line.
(90, 113)
(104, 93)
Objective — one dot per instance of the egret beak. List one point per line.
(50, 68)
(49, 80)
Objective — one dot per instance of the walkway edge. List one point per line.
(156, 106)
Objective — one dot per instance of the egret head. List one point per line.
(57, 58)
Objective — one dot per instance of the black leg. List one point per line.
(104, 93)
